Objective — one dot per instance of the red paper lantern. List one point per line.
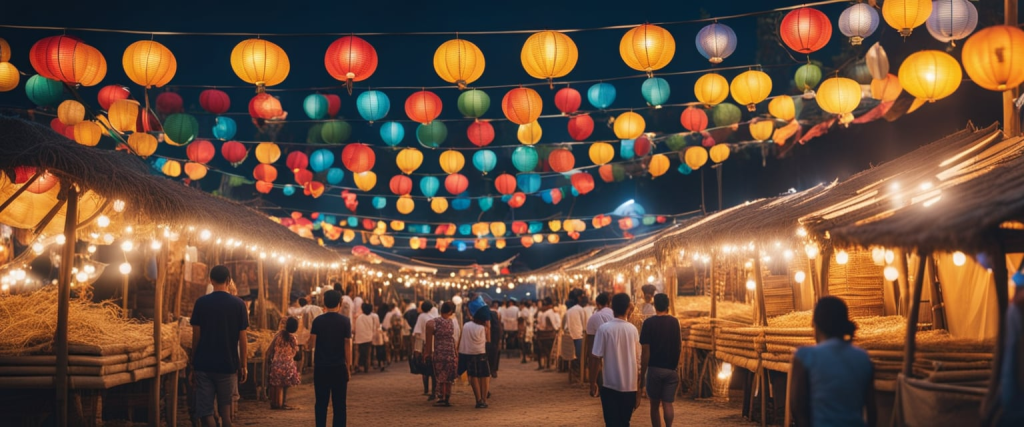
(805, 30)
(561, 160)
(580, 127)
(69, 132)
(583, 182)
(456, 183)
(694, 119)
(368, 224)
(214, 101)
(350, 59)
(264, 187)
(264, 106)
(556, 196)
(480, 133)
(333, 104)
(297, 160)
(23, 173)
(517, 200)
(200, 151)
(505, 183)
(568, 100)
(606, 173)
(642, 146)
(169, 103)
(358, 157)
(526, 241)
(58, 126)
(708, 141)
(265, 172)
(313, 188)
(148, 122)
(234, 152)
(67, 59)
(401, 185)
(520, 227)
(303, 176)
(522, 105)
(423, 106)
(111, 94)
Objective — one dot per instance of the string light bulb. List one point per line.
(155, 245)
(800, 276)
(842, 257)
(751, 284)
(891, 273)
(103, 221)
(125, 268)
(205, 235)
(82, 277)
(37, 248)
(811, 250)
(127, 245)
(959, 258)
(60, 240)
(91, 249)
(118, 205)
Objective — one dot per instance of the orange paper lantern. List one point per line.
(805, 30)
(561, 160)
(522, 105)
(423, 106)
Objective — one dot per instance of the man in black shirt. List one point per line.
(659, 359)
(330, 339)
(218, 358)
(492, 346)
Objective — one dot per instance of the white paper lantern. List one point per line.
(878, 62)
(952, 20)
(858, 21)
(716, 42)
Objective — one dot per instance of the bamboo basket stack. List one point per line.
(741, 346)
(859, 283)
(696, 334)
(778, 295)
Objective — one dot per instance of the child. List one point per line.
(281, 356)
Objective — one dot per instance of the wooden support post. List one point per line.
(261, 301)
(915, 309)
(63, 302)
(764, 396)
(1000, 275)
(826, 263)
(158, 320)
(284, 283)
(714, 289)
(124, 294)
(812, 273)
(172, 399)
(900, 263)
(938, 304)
(762, 317)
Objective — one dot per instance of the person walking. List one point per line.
(411, 314)
(439, 346)
(575, 330)
(281, 358)
(659, 360)
(510, 325)
(547, 323)
(473, 354)
(833, 382)
(602, 314)
(367, 324)
(332, 357)
(495, 329)
(617, 348)
(219, 348)
(526, 330)
(426, 368)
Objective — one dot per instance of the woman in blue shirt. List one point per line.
(833, 382)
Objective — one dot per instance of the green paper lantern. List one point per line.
(618, 173)
(181, 129)
(336, 131)
(676, 142)
(807, 77)
(649, 219)
(432, 135)
(474, 103)
(43, 91)
(726, 114)
(315, 136)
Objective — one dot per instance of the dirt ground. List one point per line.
(520, 396)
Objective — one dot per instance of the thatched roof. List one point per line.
(150, 199)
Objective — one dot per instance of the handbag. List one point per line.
(414, 366)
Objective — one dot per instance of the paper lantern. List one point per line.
(333, 104)
(726, 114)
(930, 74)
(877, 61)
(561, 160)
(400, 185)
(782, 107)
(70, 112)
(171, 168)
(408, 160)
(839, 95)
(480, 133)
(528, 183)
(459, 61)
(529, 133)
(143, 144)
(43, 91)
(568, 100)
(695, 157)
(405, 205)
(549, 55)
(659, 165)
(555, 225)
(429, 186)
(858, 22)
(517, 200)
(265, 172)
(267, 107)
(392, 133)
(264, 187)
(626, 149)
(581, 127)
(601, 95)
(760, 130)
(202, 151)
(601, 153)
(260, 62)
(181, 129)
(474, 103)
(526, 241)
(68, 60)
(195, 171)
(485, 161)
(859, 72)
(583, 182)
(267, 152)
(750, 88)
(288, 190)
(423, 106)
(335, 131)
(642, 146)
(711, 89)
(365, 180)
(952, 20)
(807, 77)
(524, 159)
(5, 50)
(905, 15)
(611, 173)
(655, 91)
(505, 183)
(629, 125)
(224, 128)
(716, 42)
(452, 161)
(350, 59)
(485, 203)
(295, 160)
(214, 101)
(149, 64)
(302, 176)
(994, 57)
(498, 229)
(694, 119)
(334, 175)
(234, 152)
(519, 227)
(110, 94)
(321, 160)
(397, 225)
(886, 90)
(456, 183)
(315, 106)
(169, 103)
(647, 48)
(358, 157)
(123, 115)
(522, 105)
(373, 105)
(439, 205)
(43, 184)
(805, 30)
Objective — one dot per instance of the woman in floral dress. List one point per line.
(440, 344)
(281, 356)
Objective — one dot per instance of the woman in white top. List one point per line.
(366, 325)
(473, 354)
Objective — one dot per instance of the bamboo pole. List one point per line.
(900, 263)
(714, 290)
(261, 300)
(826, 264)
(124, 294)
(915, 309)
(158, 320)
(938, 305)
(181, 285)
(762, 317)
(63, 302)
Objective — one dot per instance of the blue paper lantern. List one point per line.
(506, 198)
(335, 175)
(656, 91)
(158, 163)
(288, 190)
(373, 105)
(626, 149)
(429, 186)
(601, 95)
(461, 202)
(524, 159)
(330, 219)
(685, 169)
(315, 106)
(321, 160)
(574, 191)
(484, 161)
(461, 246)
(224, 128)
(392, 133)
(528, 182)
(535, 227)
(485, 203)
(465, 229)
(547, 196)
(353, 221)
(379, 202)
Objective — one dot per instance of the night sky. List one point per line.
(406, 60)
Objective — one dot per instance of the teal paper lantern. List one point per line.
(474, 103)
(379, 202)
(321, 160)
(649, 219)
(429, 186)
(535, 227)
(485, 203)
(336, 131)
(373, 105)
(392, 133)
(159, 163)
(315, 106)
(315, 134)
(506, 198)
(224, 128)
(335, 175)
(461, 202)
(181, 128)
(485, 161)
(524, 159)
(548, 196)
(601, 95)
(528, 182)
(288, 190)
(726, 114)
(626, 149)
(43, 91)
(432, 135)
(353, 221)
(465, 230)
(574, 191)
(656, 91)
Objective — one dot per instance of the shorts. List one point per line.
(661, 384)
(477, 366)
(210, 386)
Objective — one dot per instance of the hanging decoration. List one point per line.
(601, 95)
(265, 172)
(459, 61)
(70, 112)
(629, 125)
(439, 205)
(695, 157)
(335, 175)
(517, 200)
(202, 151)
(112, 93)
(392, 133)
(716, 42)
(432, 135)
(172, 168)
(480, 133)
(373, 105)
(805, 30)
(224, 128)
(659, 165)
(9, 77)
(858, 22)
(264, 106)
(474, 103)
(358, 157)
(267, 152)
(405, 205)
(87, 133)
(647, 48)
(522, 105)
(315, 106)
(43, 91)
(149, 64)
(930, 75)
(878, 61)
(423, 106)
(694, 119)
(456, 183)
(335, 131)
(839, 95)
(234, 152)
(400, 185)
(994, 57)
(66, 59)
(168, 103)
(601, 153)
(365, 181)
(333, 104)
(525, 159)
(429, 186)
(505, 184)
(321, 160)
(711, 89)
(568, 100)
(350, 59)
(485, 161)
(655, 91)
(626, 149)
(782, 107)
(214, 101)
(260, 62)
(751, 87)
(905, 15)
(760, 130)
(952, 20)
(726, 114)
(562, 160)
(181, 129)
(143, 144)
(530, 133)
(452, 161)
(886, 90)
(807, 78)
(581, 127)
(549, 55)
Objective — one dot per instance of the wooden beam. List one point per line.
(20, 191)
(826, 264)
(915, 309)
(938, 302)
(762, 317)
(63, 303)
(261, 300)
(158, 320)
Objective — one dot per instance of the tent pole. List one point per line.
(63, 302)
(826, 262)
(915, 309)
(158, 320)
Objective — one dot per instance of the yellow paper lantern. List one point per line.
(374, 239)
(695, 157)
(267, 152)
(9, 77)
(348, 236)
(171, 168)
(529, 133)
(195, 171)
(994, 57)
(760, 130)
(930, 75)
(750, 88)
(148, 63)
(555, 225)
(629, 125)
(397, 225)
(886, 90)
(380, 228)
(70, 112)
(365, 181)
(537, 238)
(782, 107)
(408, 160)
(549, 55)
(918, 102)
(580, 226)
(459, 61)
(405, 205)
(601, 153)
(260, 62)
(452, 161)
(647, 48)
(659, 165)
(480, 229)
(905, 15)
(482, 244)
(719, 153)
(569, 225)
(439, 205)
(500, 243)
(553, 238)
(839, 95)
(143, 144)
(498, 229)
(387, 241)
(88, 133)
(711, 89)
(124, 115)
(414, 243)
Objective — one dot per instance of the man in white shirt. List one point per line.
(548, 323)
(510, 324)
(602, 314)
(526, 316)
(427, 313)
(617, 347)
(575, 327)
(366, 325)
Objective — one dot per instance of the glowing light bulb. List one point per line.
(801, 232)
(751, 284)
(19, 274)
(205, 235)
(89, 268)
(788, 254)
(890, 256)
(811, 250)
(959, 258)
(497, 291)
(155, 245)
(61, 239)
(37, 248)
(118, 205)
(512, 286)
(263, 255)
(81, 277)
(842, 257)
(128, 230)
(125, 268)
(103, 221)
(878, 255)
(127, 245)
(457, 300)
(91, 249)
(650, 279)
(108, 238)
(281, 259)
(800, 276)
(891, 273)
